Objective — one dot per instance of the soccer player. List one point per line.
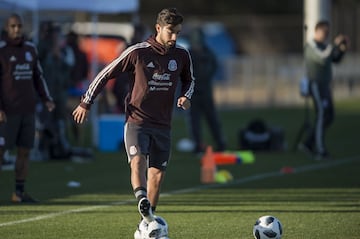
(21, 80)
(319, 56)
(154, 66)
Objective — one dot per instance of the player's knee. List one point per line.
(138, 161)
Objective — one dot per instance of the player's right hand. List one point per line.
(80, 114)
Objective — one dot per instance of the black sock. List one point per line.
(140, 193)
(19, 186)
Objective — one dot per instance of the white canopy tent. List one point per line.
(95, 6)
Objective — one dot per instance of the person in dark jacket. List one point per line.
(21, 81)
(203, 105)
(319, 56)
(58, 64)
(154, 67)
(78, 81)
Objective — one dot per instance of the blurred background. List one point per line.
(259, 43)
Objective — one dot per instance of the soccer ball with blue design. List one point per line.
(157, 229)
(267, 227)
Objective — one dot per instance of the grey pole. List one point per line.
(314, 11)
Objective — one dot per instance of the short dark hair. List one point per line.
(13, 15)
(322, 24)
(7, 21)
(169, 16)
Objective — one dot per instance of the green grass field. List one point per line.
(321, 199)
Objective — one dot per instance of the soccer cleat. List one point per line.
(22, 198)
(141, 230)
(137, 234)
(145, 211)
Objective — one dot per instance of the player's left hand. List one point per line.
(184, 103)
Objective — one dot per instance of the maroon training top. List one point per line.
(21, 78)
(154, 72)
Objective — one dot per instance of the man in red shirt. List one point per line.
(21, 80)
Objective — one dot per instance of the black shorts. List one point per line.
(153, 143)
(19, 130)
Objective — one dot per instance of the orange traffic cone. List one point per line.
(208, 166)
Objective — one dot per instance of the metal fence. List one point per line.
(274, 80)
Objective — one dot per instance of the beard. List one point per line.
(170, 44)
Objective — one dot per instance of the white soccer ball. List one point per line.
(157, 229)
(267, 227)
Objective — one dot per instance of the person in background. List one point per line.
(78, 80)
(21, 81)
(58, 64)
(80, 69)
(203, 105)
(319, 56)
(45, 39)
(154, 66)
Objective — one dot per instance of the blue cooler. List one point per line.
(111, 132)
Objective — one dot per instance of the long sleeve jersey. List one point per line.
(21, 78)
(154, 72)
(318, 62)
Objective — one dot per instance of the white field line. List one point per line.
(301, 169)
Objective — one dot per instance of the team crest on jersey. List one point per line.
(28, 56)
(172, 66)
(132, 150)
